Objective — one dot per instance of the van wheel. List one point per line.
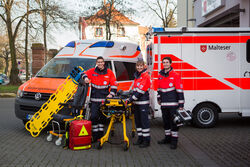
(205, 115)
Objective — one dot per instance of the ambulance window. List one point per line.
(124, 70)
(108, 64)
(149, 54)
(131, 69)
(248, 50)
(61, 67)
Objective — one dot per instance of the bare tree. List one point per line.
(52, 14)
(108, 13)
(26, 42)
(5, 52)
(164, 9)
(7, 8)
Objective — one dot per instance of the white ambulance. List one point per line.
(120, 57)
(214, 64)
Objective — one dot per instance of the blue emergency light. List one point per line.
(106, 44)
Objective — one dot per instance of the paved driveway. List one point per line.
(226, 145)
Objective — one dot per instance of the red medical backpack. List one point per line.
(80, 135)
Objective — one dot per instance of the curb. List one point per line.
(7, 95)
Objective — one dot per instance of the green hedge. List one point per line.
(8, 88)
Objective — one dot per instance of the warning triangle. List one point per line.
(83, 131)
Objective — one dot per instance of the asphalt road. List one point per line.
(228, 144)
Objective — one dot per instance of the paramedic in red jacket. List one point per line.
(170, 97)
(102, 80)
(140, 98)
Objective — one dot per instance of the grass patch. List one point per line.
(8, 88)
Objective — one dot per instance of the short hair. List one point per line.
(99, 57)
(140, 62)
(167, 58)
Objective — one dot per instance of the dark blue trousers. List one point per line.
(142, 122)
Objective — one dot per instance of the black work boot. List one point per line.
(145, 144)
(166, 140)
(94, 139)
(100, 134)
(139, 141)
(173, 144)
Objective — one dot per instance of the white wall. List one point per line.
(182, 13)
(131, 33)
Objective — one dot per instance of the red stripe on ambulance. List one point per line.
(243, 83)
(192, 78)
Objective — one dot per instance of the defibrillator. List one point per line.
(182, 117)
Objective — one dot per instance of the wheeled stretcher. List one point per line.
(116, 109)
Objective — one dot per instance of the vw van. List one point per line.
(120, 57)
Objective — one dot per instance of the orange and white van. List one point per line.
(214, 64)
(119, 56)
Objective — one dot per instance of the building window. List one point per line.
(98, 32)
(248, 50)
(121, 32)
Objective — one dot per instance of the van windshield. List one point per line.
(61, 67)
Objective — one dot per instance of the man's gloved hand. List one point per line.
(86, 80)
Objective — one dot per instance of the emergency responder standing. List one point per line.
(102, 79)
(170, 97)
(140, 98)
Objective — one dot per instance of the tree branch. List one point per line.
(3, 18)
(20, 21)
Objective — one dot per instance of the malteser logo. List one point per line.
(203, 48)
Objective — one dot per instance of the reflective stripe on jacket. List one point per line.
(101, 81)
(141, 86)
(170, 89)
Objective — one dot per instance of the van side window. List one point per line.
(124, 70)
(248, 50)
(108, 64)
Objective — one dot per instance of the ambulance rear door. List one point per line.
(244, 79)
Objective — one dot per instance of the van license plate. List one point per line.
(29, 116)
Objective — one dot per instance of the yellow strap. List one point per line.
(82, 147)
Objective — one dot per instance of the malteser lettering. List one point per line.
(218, 47)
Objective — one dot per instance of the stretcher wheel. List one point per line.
(125, 146)
(133, 134)
(49, 137)
(99, 146)
(58, 141)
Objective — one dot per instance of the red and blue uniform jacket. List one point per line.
(103, 82)
(140, 95)
(170, 89)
